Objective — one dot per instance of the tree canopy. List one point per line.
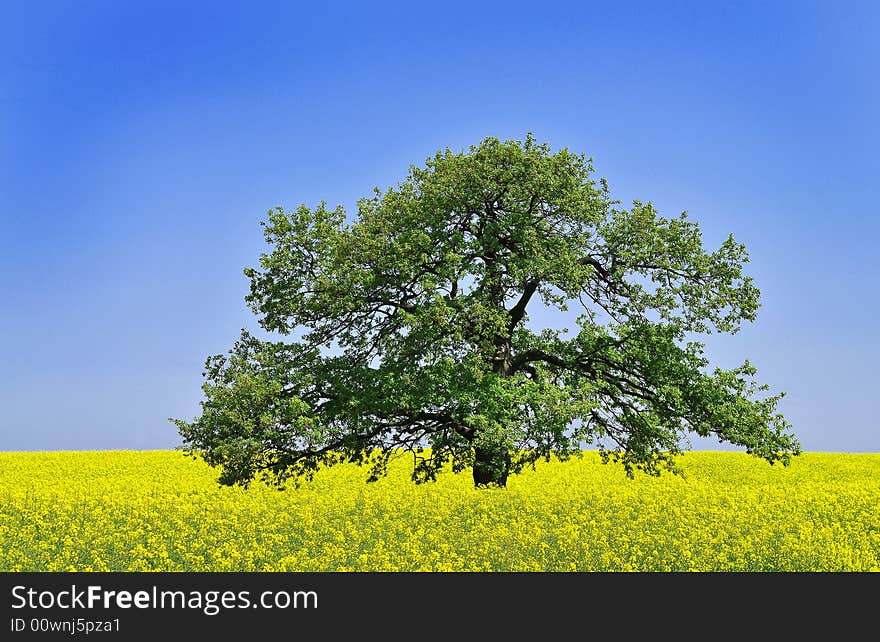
(407, 330)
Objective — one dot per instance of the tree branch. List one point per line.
(589, 260)
(518, 311)
(524, 358)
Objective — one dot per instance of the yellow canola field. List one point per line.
(161, 511)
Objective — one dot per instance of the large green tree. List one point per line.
(410, 330)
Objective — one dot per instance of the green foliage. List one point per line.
(414, 332)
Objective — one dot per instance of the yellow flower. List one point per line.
(160, 511)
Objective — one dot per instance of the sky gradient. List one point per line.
(140, 146)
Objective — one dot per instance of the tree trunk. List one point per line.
(492, 462)
(491, 467)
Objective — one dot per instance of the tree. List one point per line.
(413, 334)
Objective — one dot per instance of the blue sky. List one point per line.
(142, 143)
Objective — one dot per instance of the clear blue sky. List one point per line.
(141, 145)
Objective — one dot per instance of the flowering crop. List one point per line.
(160, 511)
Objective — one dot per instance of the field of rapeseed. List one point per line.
(160, 511)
